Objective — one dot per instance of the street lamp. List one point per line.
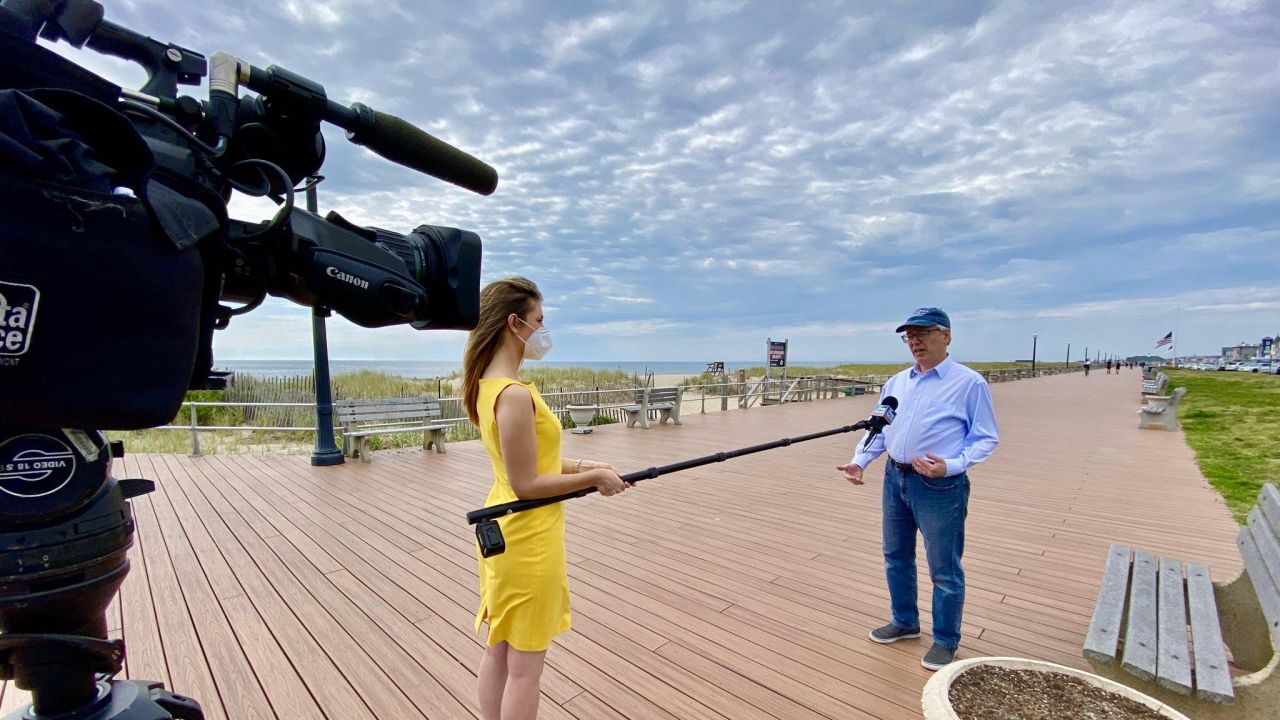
(326, 451)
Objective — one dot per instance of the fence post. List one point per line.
(195, 437)
(702, 390)
(724, 391)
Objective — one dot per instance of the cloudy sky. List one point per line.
(685, 179)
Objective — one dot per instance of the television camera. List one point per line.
(118, 261)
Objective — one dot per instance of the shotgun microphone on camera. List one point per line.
(881, 417)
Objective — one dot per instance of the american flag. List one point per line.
(1166, 340)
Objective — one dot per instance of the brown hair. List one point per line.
(498, 300)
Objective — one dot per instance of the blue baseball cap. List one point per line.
(926, 317)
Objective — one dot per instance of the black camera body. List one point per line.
(119, 256)
(117, 261)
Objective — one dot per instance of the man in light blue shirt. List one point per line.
(945, 424)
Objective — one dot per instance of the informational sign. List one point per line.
(1264, 348)
(778, 354)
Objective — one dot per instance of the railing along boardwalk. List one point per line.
(265, 587)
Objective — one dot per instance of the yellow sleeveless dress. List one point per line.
(524, 592)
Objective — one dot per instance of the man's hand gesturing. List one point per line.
(852, 472)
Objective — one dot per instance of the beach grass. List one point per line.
(560, 386)
(1232, 422)
(579, 385)
(857, 370)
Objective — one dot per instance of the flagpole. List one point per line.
(1173, 345)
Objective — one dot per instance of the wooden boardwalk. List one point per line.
(267, 588)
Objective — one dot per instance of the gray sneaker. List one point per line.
(938, 657)
(892, 633)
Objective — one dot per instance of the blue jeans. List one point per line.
(937, 507)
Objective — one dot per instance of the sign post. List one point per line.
(777, 359)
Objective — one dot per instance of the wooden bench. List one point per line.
(1147, 608)
(363, 419)
(1155, 385)
(1161, 410)
(665, 400)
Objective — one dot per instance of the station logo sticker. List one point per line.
(18, 305)
(33, 466)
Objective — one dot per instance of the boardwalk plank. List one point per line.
(189, 670)
(144, 658)
(324, 681)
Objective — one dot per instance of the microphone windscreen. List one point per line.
(403, 143)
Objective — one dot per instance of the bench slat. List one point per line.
(1268, 545)
(1213, 675)
(1259, 549)
(388, 414)
(1268, 598)
(406, 408)
(1108, 614)
(1269, 504)
(393, 430)
(419, 405)
(651, 406)
(387, 401)
(1140, 636)
(363, 406)
(1173, 661)
(1269, 500)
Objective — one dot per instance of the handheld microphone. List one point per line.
(881, 416)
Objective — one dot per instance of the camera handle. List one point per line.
(489, 534)
(80, 22)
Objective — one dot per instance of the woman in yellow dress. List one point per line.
(524, 592)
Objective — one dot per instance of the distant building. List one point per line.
(1240, 352)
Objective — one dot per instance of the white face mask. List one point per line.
(538, 344)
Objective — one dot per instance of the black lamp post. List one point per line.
(326, 451)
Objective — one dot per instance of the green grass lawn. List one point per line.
(1232, 422)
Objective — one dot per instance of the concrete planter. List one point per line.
(582, 415)
(936, 697)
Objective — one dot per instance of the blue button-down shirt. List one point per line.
(945, 411)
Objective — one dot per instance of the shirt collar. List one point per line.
(941, 369)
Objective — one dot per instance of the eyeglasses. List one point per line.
(908, 337)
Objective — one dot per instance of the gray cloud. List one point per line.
(717, 169)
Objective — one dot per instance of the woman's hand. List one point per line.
(592, 465)
(607, 481)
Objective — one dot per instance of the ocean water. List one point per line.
(430, 369)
